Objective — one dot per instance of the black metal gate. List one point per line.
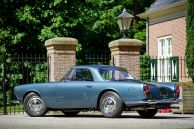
(171, 69)
(17, 70)
(24, 69)
(98, 59)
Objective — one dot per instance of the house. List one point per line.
(166, 40)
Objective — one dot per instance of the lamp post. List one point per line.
(124, 22)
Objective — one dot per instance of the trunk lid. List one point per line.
(158, 92)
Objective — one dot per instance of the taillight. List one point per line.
(177, 91)
(146, 90)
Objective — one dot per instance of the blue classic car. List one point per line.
(109, 89)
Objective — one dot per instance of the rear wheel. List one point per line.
(34, 105)
(70, 113)
(148, 113)
(111, 104)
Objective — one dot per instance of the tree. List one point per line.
(25, 25)
(190, 38)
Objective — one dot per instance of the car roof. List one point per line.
(95, 66)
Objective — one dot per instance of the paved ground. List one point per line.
(97, 121)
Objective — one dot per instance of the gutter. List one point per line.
(164, 10)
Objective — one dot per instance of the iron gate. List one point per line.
(24, 69)
(17, 70)
(172, 69)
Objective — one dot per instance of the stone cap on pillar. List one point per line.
(125, 43)
(61, 41)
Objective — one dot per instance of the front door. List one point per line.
(76, 91)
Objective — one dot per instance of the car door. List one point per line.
(76, 90)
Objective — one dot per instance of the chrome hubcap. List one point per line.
(109, 104)
(35, 104)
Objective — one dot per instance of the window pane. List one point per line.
(82, 75)
(106, 74)
(169, 42)
(165, 46)
(115, 74)
(162, 46)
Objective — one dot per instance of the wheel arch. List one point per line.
(28, 92)
(102, 92)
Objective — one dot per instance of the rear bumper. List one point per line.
(152, 103)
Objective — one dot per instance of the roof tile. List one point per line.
(162, 3)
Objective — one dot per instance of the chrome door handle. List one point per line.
(88, 86)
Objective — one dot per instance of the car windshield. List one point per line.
(117, 74)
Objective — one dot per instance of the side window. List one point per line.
(82, 75)
(106, 74)
(68, 75)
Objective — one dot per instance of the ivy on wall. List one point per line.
(190, 38)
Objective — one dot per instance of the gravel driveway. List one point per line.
(97, 121)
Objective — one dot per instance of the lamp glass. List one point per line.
(124, 20)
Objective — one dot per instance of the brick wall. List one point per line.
(126, 53)
(62, 56)
(60, 62)
(175, 28)
(128, 57)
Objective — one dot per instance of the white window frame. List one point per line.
(164, 52)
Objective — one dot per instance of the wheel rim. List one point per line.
(36, 104)
(109, 104)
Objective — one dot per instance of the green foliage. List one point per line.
(1, 95)
(1, 79)
(145, 67)
(20, 72)
(140, 33)
(39, 73)
(1, 99)
(25, 25)
(24, 14)
(190, 38)
(185, 84)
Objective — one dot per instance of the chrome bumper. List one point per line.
(151, 102)
(16, 101)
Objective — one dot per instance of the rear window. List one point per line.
(115, 74)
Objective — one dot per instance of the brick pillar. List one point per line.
(126, 53)
(62, 56)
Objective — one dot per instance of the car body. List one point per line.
(109, 89)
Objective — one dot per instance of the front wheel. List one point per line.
(111, 104)
(34, 105)
(148, 113)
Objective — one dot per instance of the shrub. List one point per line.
(185, 84)
(145, 67)
(190, 38)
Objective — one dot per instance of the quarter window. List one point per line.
(115, 74)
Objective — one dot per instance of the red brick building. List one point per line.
(166, 39)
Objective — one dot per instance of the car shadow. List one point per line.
(155, 117)
(130, 116)
(77, 116)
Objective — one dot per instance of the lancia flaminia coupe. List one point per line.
(109, 89)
